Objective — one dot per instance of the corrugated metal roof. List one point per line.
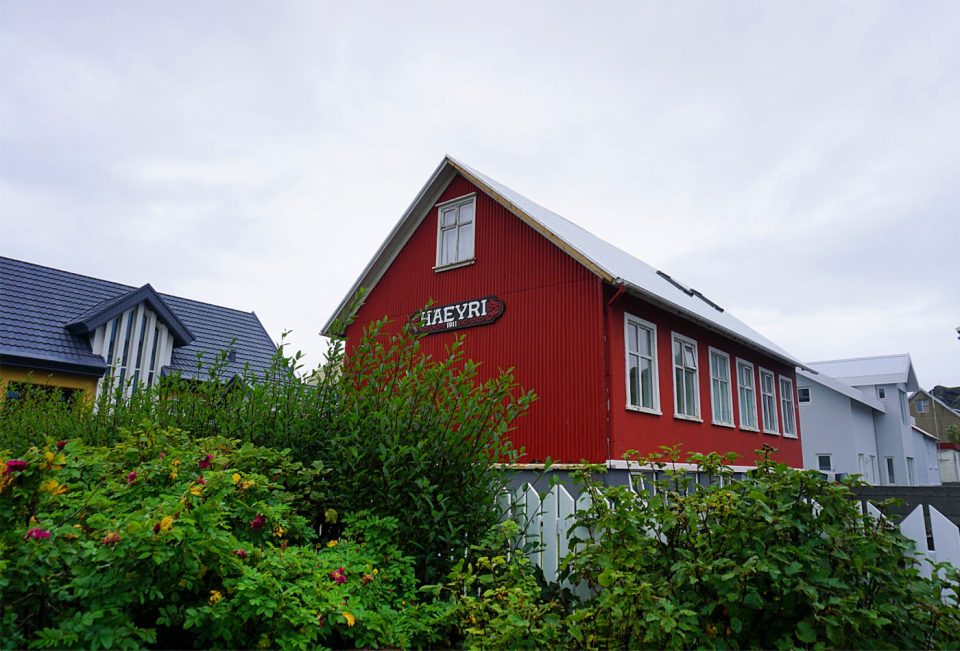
(838, 386)
(864, 371)
(606, 260)
(37, 302)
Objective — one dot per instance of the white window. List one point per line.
(456, 230)
(721, 396)
(891, 475)
(922, 406)
(824, 462)
(803, 395)
(641, 364)
(768, 402)
(862, 461)
(786, 407)
(686, 389)
(747, 394)
(911, 471)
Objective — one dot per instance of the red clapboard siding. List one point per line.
(551, 331)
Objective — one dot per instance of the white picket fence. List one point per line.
(547, 521)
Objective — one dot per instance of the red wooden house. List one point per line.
(622, 356)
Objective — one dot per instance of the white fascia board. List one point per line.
(623, 464)
(844, 389)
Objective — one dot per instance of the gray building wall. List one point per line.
(834, 424)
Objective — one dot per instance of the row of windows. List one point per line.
(643, 393)
(868, 468)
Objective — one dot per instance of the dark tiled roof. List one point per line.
(36, 303)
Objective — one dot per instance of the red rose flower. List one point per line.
(241, 553)
(13, 465)
(205, 462)
(258, 522)
(37, 534)
(111, 538)
(201, 480)
(132, 477)
(61, 444)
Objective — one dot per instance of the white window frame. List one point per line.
(911, 471)
(446, 205)
(923, 406)
(676, 337)
(809, 396)
(642, 324)
(788, 406)
(891, 470)
(829, 457)
(763, 417)
(881, 393)
(729, 392)
(753, 390)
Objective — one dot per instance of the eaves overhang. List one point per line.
(93, 367)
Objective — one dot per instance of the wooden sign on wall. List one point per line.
(456, 316)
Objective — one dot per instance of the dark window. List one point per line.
(803, 395)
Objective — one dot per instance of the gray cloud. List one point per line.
(795, 162)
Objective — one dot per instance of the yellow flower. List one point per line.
(196, 490)
(215, 597)
(376, 571)
(245, 485)
(332, 543)
(235, 477)
(173, 474)
(279, 531)
(351, 619)
(166, 524)
(53, 487)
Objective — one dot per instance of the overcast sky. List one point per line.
(798, 163)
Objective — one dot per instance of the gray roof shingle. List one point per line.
(37, 303)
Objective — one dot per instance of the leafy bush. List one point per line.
(386, 429)
(173, 542)
(497, 600)
(780, 559)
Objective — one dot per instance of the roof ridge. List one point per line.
(858, 359)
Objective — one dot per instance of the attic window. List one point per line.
(456, 228)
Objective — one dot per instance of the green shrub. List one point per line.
(386, 429)
(496, 599)
(780, 559)
(167, 541)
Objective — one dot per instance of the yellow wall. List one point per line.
(63, 380)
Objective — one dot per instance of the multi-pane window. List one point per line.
(686, 392)
(641, 362)
(803, 395)
(786, 407)
(456, 232)
(721, 397)
(922, 406)
(824, 462)
(747, 394)
(768, 402)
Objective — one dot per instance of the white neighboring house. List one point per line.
(855, 420)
